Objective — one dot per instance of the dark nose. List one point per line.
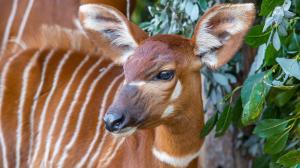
(113, 121)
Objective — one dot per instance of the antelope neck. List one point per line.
(180, 137)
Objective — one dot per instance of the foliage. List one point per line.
(270, 96)
(173, 17)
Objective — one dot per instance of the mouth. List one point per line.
(124, 132)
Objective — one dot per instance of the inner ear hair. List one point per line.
(111, 31)
(220, 31)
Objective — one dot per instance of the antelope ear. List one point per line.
(219, 33)
(112, 32)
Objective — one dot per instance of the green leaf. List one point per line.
(267, 6)
(298, 130)
(276, 143)
(274, 165)
(295, 42)
(189, 7)
(276, 41)
(220, 78)
(224, 121)
(252, 110)
(261, 162)
(283, 97)
(194, 14)
(249, 85)
(203, 5)
(270, 55)
(297, 6)
(269, 127)
(253, 96)
(163, 2)
(292, 158)
(290, 66)
(256, 37)
(237, 113)
(259, 58)
(209, 125)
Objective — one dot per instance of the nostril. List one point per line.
(118, 121)
(113, 122)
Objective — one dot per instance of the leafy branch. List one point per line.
(269, 99)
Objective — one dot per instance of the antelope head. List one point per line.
(162, 71)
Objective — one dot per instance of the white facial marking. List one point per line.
(176, 161)
(125, 132)
(169, 110)
(177, 91)
(125, 82)
(137, 83)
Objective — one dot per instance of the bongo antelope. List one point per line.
(55, 102)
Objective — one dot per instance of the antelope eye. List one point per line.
(165, 75)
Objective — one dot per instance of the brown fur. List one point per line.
(44, 18)
(43, 13)
(143, 105)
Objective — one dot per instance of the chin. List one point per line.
(125, 132)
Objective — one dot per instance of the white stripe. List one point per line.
(177, 91)
(108, 160)
(9, 24)
(137, 83)
(3, 147)
(2, 88)
(24, 21)
(60, 105)
(100, 146)
(102, 110)
(45, 107)
(36, 96)
(81, 116)
(71, 109)
(99, 149)
(22, 100)
(168, 111)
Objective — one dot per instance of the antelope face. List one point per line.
(161, 72)
(153, 83)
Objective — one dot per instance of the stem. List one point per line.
(128, 9)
